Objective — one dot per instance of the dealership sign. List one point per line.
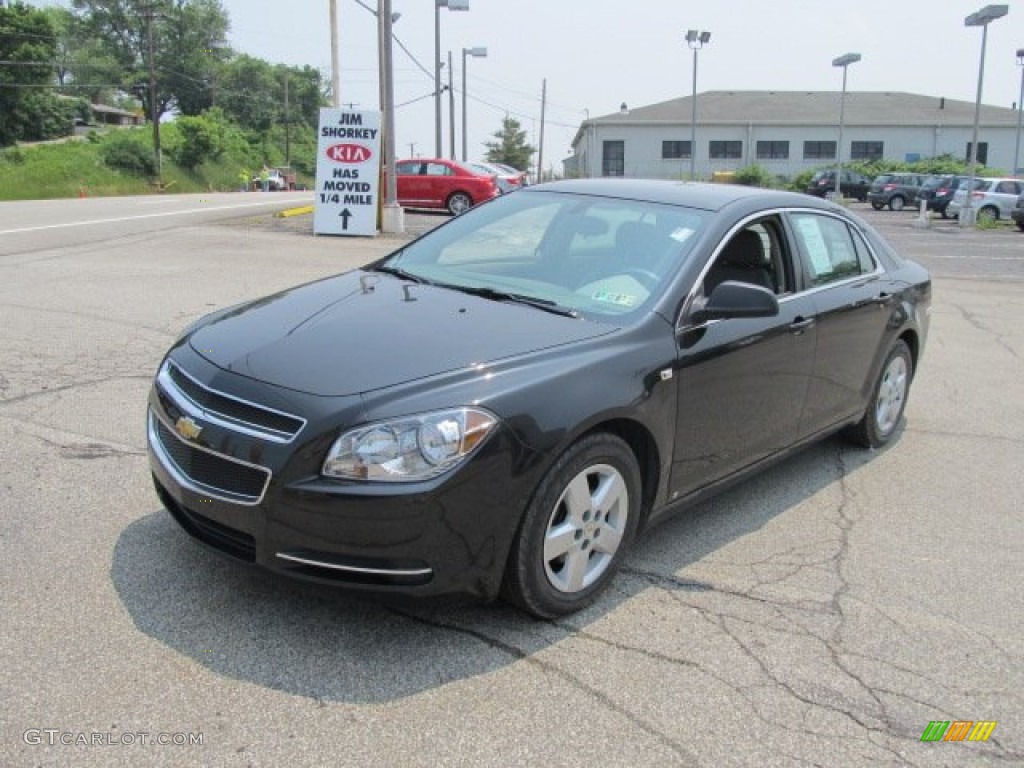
(347, 173)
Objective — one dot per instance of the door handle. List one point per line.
(800, 324)
(884, 299)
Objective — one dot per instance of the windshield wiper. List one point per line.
(398, 272)
(494, 294)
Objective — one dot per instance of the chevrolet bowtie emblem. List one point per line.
(187, 428)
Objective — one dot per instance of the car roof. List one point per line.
(711, 197)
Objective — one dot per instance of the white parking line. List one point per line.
(206, 209)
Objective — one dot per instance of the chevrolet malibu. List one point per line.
(501, 406)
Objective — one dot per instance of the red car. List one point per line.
(439, 183)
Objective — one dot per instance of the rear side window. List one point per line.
(829, 250)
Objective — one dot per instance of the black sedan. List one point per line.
(501, 406)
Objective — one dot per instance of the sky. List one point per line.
(597, 54)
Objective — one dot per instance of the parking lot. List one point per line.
(822, 613)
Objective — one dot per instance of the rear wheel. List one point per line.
(988, 213)
(458, 203)
(896, 203)
(576, 529)
(888, 400)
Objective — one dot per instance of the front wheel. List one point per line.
(458, 203)
(576, 529)
(877, 206)
(888, 400)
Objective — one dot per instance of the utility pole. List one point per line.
(287, 124)
(335, 72)
(540, 148)
(150, 13)
(451, 107)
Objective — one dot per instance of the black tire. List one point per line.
(1020, 225)
(459, 202)
(559, 562)
(883, 417)
(877, 206)
(896, 203)
(988, 213)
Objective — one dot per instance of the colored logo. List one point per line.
(187, 428)
(958, 730)
(349, 153)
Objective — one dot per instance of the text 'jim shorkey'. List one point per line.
(958, 730)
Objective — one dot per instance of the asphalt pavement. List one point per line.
(822, 613)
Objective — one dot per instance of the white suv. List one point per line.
(992, 198)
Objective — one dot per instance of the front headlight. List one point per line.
(408, 449)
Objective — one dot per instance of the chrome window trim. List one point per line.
(688, 301)
(186, 403)
(194, 485)
(357, 569)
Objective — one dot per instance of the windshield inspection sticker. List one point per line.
(682, 234)
(620, 299)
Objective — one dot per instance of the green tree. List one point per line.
(511, 147)
(27, 46)
(188, 45)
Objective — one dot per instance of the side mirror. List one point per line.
(735, 299)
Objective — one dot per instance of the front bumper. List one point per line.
(261, 499)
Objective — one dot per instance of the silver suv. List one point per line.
(993, 199)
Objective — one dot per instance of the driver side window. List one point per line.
(754, 255)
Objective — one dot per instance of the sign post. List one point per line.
(347, 172)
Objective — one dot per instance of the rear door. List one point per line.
(410, 183)
(853, 301)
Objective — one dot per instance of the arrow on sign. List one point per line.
(345, 217)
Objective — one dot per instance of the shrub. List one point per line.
(123, 152)
(753, 176)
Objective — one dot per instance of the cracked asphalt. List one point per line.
(819, 614)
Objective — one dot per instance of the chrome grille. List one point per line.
(230, 412)
(205, 471)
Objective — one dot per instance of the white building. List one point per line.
(786, 132)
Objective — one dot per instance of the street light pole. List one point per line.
(696, 40)
(1017, 167)
(392, 220)
(978, 19)
(478, 52)
(843, 61)
(451, 5)
(335, 71)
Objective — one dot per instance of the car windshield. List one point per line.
(597, 257)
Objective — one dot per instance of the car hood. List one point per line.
(362, 331)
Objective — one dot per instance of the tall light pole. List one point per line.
(392, 220)
(479, 52)
(696, 40)
(451, 5)
(843, 61)
(335, 72)
(1017, 167)
(978, 19)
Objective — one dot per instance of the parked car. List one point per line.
(895, 190)
(1017, 214)
(992, 199)
(501, 405)
(854, 185)
(440, 183)
(938, 191)
(522, 176)
(507, 182)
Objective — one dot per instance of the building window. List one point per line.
(725, 150)
(982, 152)
(866, 150)
(613, 162)
(674, 150)
(819, 150)
(773, 150)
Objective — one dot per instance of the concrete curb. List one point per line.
(294, 212)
